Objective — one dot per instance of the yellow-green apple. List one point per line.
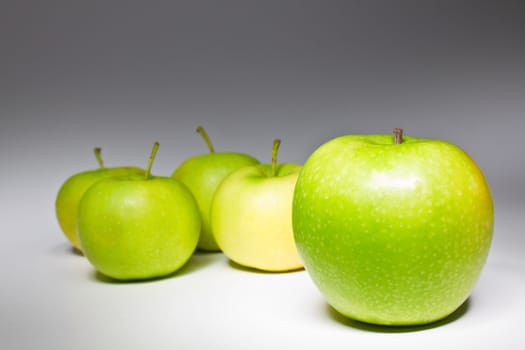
(393, 230)
(138, 227)
(72, 190)
(251, 216)
(202, 174)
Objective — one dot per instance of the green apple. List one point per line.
(251, 216)
(202, 174)
(393, 230)
(138, 227)
(72, 190)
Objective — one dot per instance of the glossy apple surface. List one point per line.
(72, 190)
(138, 227)
(202, 174)
(251, 217)
(393, 234)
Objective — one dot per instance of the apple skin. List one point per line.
(131, 228)
(72, 190)
(251, 217)
(202, 174)
(392, 234)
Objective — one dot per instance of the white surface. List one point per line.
(53, 299)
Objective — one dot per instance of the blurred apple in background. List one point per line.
(138, 226)
(251, 216)
(393, 230)
(72, 190)
(202, 174)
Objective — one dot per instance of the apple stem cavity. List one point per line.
(98, 155)
(275, 149)
(151, 159)
(398, 136)
(206, 138)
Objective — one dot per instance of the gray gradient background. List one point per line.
(121, 75)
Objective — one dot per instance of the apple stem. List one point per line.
(398, 136)
(98, 155)
(151, 158)
(206, 138)
(275, 149)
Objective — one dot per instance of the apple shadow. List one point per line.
(369, 327)
(65, 248)
(76, 251)
(100, 277)
(243, 268)
(198, 261)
